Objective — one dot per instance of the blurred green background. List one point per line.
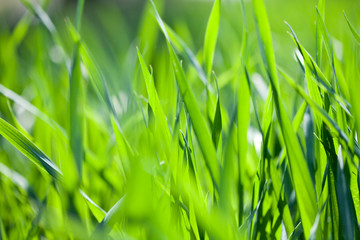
(112, 29)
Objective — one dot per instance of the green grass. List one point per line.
(199, 120)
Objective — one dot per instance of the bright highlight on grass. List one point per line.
(152, 136)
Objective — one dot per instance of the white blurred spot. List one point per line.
(338, 48)
(120, 103)
(254, 137)
(56, 54)
(25, 118)
(260, 85)
(84, 72)
(297, 54)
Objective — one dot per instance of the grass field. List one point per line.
(181, 120)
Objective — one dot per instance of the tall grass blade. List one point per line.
(302, 183)
(77, 100)
(200, 127)
(211, 34)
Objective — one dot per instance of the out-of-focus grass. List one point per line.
(180, 120)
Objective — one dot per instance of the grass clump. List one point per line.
(243, 128)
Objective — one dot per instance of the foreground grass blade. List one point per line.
(29, 149)
(346, 206)
(302, 183)
(211, 36)
(202, 131)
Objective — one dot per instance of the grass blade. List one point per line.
(322, 81)
(217, 124)
(302, 183)
(266, 45)
(352, 29)
(29, 149)
(77, 100)
(154, 100)
(200, 127)
(321, 112)
(346, 206)
(181, 47)
(211, 34)
(33, 110)
(96, 77)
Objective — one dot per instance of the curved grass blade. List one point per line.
(181, 47)
(352, 29)
(322, 81)
(211, 34)
(341, 118)
(29, 149)
(302, 183)
(321, 112)
(202, 131)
